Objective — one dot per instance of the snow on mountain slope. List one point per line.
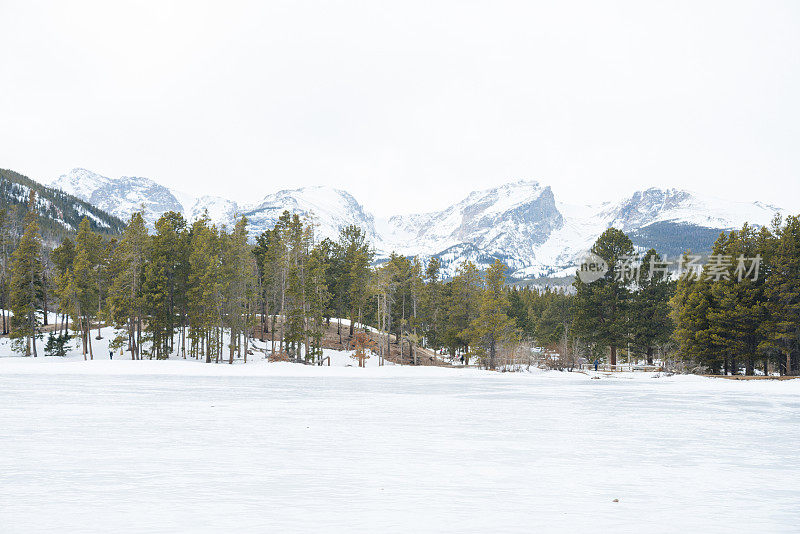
(330, 208)
(81, 183)
(675, 205)
(510, 218)
(59, 213)
(219, 210)
(126, 195)
(120, 196)
(672, 220)
(534, 235)
(521, 223)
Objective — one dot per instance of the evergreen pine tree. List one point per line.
(25, 286)
(492, 326)
(83, 284)
(601, 307)
(651, 325)
(161, 281)
(126, 299)
(781, 327)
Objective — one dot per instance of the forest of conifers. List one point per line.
(196, 290)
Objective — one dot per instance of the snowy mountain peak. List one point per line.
(508, 222)
(80, 183)
(219, 210)
(681, 206)
(331, 208)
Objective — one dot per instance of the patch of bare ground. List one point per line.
(337, 338)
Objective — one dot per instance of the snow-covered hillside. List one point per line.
(522, 223)
(60, 213)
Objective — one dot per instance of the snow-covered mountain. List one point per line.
(508, 222)
(59, 213)
(522, 223)
(120, 196)
(331, 210)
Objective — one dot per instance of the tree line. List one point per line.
(202, 291)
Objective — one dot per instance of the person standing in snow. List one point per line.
(595, 365)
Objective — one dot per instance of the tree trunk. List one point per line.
(232, 348)
(750, 366)
(272, 336)
(89, 338)
(352, 321)
(389, 331)
(44, 300)
(613, 355)
(33, 332)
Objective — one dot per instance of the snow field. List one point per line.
(166, 446)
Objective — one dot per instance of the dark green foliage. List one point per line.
(601, 307)
(730, 318)
(164, 278)
(780, 330)
(58, 214)
(56, 344)
(26, 286)
(492, 326)
(650, 323)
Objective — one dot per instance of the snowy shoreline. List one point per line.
(344, 367)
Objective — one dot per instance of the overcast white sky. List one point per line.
(408, 105)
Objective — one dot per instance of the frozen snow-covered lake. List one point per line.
(178, 446)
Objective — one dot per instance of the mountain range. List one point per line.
(522, 223)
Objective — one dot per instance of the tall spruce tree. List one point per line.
(431, 304)
(356, 256)
(601, 307)
(83, 287)
(651, 325)
(461, 303)
(63, 257)
(689, 308)
(25, 286)
(5, 250)
(240, 279)
(202, 291)
(126, 295)
(492, 326)
(781, 327)
(162, 281)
